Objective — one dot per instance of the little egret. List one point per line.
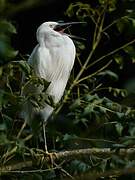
(52, 59)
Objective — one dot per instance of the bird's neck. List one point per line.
(41, 42)
(52, 39)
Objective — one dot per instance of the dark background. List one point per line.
(28, 20)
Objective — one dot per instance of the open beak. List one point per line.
(61, 27)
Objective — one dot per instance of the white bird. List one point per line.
(52, 59)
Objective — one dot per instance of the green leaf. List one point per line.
(67, 137)
(119, 60)
(79, 166)
(133, 59)
(130, 50)
(82, 120)
(90, 98)
(88, 109)
(117, 92)
(102, 109)
(24, 66)
(3, 139)
(6, 51)
(3, 127)
(132, 21)
(122, 23)
(7, 27)
(110, 4)
(119, 128)
(132, 130)
(76, 104)
(109, 73)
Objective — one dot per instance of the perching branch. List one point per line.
(66, 156)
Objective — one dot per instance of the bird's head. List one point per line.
(58, 27)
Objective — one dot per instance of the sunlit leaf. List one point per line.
(119, 60)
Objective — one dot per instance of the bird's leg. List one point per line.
(45, 143)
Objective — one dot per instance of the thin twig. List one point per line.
(96, 88)
(64, 171)
(111, 53)
(22, 128)
(8, 154)
(28, 137)
(111, 24)
(97, 34)
(28, 171)
(79, 61)
(91, 75)
(96, 140)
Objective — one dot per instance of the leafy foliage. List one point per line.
(92, 116)
(6, 50)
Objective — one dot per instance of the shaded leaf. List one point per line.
(7, 27)
(24, 66)
(67, 137)
(109, 73)
(119, 128)
(75, 104)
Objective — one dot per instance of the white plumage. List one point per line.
(52, 59)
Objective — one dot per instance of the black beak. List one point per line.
(62, 26)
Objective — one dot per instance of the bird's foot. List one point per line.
(50, 157)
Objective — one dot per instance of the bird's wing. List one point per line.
(62, 61)
(39, 62)
(54, 65)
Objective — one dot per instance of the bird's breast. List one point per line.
(61, 60)
(54, 64)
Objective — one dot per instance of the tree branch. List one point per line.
(35, 160)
